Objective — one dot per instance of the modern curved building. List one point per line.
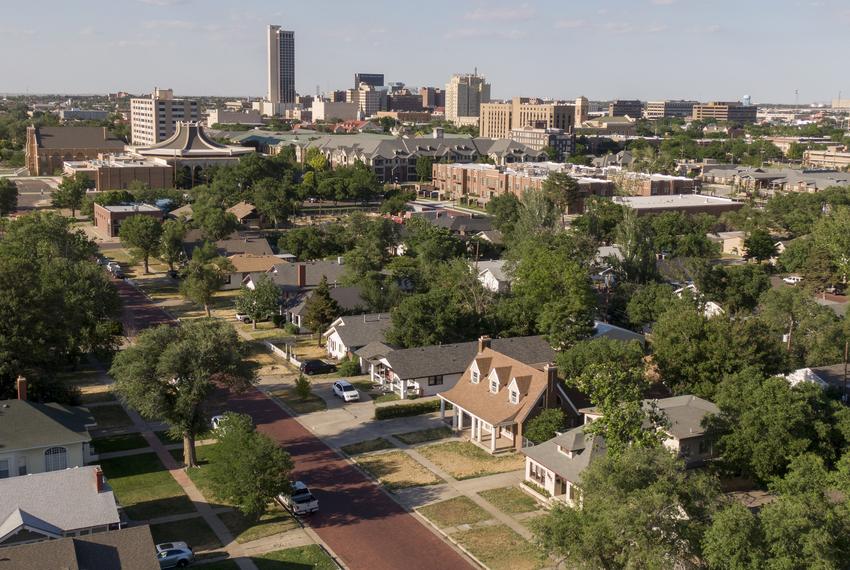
(190, 146)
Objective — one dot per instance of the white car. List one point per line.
(215, 421)
(175, 557)
(344, 390)
(301, 501)
(792, 279)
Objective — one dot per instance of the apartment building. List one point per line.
(670, 109)
(153, 119)
(833, 157)
(641, 184)
(432, 97)
(559, 140)
(465, 95)
(625, 107)
(479, 183)
(368, 98)
(733, 112)
(499, 119)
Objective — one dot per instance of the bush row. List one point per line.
(404, 410)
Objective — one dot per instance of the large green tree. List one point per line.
(204, 275)
(563, 190)
(321, 309)
(759, 245)
(8, 196)
(832, 233)
(259, 303)
(171, 242)
(71, 191)
(424, 165)
(545, 425)
(275, 199)
(170, 371)
(142, 234)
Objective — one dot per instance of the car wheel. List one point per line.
(182, 563)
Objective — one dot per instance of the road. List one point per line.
(364, 527)
(32, 191)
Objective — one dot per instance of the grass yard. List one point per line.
(159, 287)
(421, 436)
(376, 444)
(276, 521)
(500, 548)
(144, 487)
(96, 393)
(510, 500)
(397, 470)
(311, 557)
(119, 443)
(198, 474)
(454, 512)
(194, 532)
(389, 397)
(465, 460)
(110, 416)
(313, 403)
(166, 439)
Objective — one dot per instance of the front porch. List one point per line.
(493, 439)
(554, 487)
(384, 377)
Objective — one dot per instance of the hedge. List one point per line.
(404, 410)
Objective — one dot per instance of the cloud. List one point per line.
(618, 27)
(521, 12)
(469, 33)
(570, 24)
(657, 29)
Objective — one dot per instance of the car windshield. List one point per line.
(302, 498)
(348, 388)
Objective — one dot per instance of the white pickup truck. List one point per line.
(301, 501)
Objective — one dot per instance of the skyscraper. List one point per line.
(281, 65)
(464, 95)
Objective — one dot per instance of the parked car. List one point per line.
(175, 557)
(243, 318)
(215, 421)
(310, 367)
(792, 279)
(172, 546)
(344, 390)
(301, 501)
(174, 274)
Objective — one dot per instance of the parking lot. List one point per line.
(34, 192)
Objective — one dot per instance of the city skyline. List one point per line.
(647, 49)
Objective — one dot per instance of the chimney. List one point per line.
(22, 388)
(551, 381)
(302, 275)
(99, 482)
(483, 342)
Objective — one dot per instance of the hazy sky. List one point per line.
(647, 49)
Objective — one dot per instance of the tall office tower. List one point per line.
(153, 119)
(464, 95)
(373, 79)
(581, 110)
(281, 65)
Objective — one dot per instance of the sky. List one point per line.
(603, 49)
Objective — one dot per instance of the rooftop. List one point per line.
(77, 137)
(121, 208)
(29, 425)
(674, 201)
(356, 331)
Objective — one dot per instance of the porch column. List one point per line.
(442, 409)
(459, 413)
(492, 439)
(455, 418)
(479, 425)
(402, 389)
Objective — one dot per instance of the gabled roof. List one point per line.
(182, 212)
(374, 349)
(551, 454)
(616, 333)
(356, 331)
(495, 267)
(234, 244)
(242, 210)
(28, 425)
(285, 275)
(465, 225)
(249, 263)
(349, 299)
(685, 414)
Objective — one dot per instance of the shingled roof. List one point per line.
(356, 331)
(27, 425)
(77, 137)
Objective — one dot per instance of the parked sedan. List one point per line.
(792, 279)
(175, 557)
(310, 367)
(344, 390)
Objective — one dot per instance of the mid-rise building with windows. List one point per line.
(625, 107)
(153, 119)
(669, 109)
(373, 79)
(733, 112)
(464, 96)
(499, 119)
(558, 140)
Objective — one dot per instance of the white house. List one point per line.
(493, 276)
(350, 333)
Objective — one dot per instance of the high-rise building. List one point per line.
(432, 97)
(369, 99)
(281, 73)
(373, 79)
(669, 109)
(733, 112)
(499, 119)
(153, 119)
(582, 109)
(464, 96)
(623, 107)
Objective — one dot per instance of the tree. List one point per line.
(638, 510)
(397, 203)
(259, 303)
(599, 351)
(214, 222)
(648, 303)
(171, 370)
(832, 233)
(760, 246)
(275, 199)
(321, 309)
(204, 275)
(8, 196)
(505, 210)
(424, 166)
(566, 321)
(247, 469)
(429, 318)
(563, 190)
(142, 234)
(551, 153)
(634, 236)
(315, 159)
(545, 425)
(734, 541)
(171, 242)
(302, 386)
(71, 192)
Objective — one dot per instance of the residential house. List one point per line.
(235, 243)
(463, 226)
(614, 332)
(294, 279)
(731, 243)
(349, 300)
(125, 549)
(831, 376)
(56, 504)
(183, 212)
(244, 264)
(709, 308)
(429, 370)
(497, 395)
(42, 437)
(246, 214)
(493, 276)
(347, 334)
(556, 465)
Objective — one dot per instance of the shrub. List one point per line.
(279, 321)
(302, 387)
(405, 410)
(349, 367)
(290, 328)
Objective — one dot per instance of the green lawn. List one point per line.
(198, 474)
(376, 444)
(432, 434)
(119, 443)
(389, 397)
(301, 558)
(110, 416)
(500, 548)
(454, 512)
(194, 532)
(510, 500)
(313, 403)
(144, 488)
(465, 460)
(276, 521)
(165, 438)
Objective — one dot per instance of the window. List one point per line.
(22, 465)
(475, 377)
(55, 458)
(435, 380)
(494, 385)
(4, 468)
(514, 397)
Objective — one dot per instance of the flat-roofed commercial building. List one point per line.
(558, 140)
(832, 157)
(670, 109)
(641, 184)
(687, 203)
(107, 219)
(499, 119)
(733, 112)
(327, 110)
(228, 117)
(47, 148)
(153, 119)
(625, 107)
(117, 172)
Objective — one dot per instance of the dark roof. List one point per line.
(348, 298)
(285, 275)
(447, 359)
(25, 425)
(359, 330)
(125, 549)
(77, 137)
(233, 244)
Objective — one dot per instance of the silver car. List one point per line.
(175, 557)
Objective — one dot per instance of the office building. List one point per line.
(373, 79)
(733, 112)
(153, 119)
(333, 110)
(625, 107)
(338, 96)
(369, 99)
(464, 96)
(432, 97)
(118, 171)
(281, 72)
(497, 120)
(582, 109)
(404, 100)
(669, 109)
(107, 219)
(228, 117)
(558, 140)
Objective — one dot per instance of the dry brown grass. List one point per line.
(454, 512)
(465, 460)
(500, 548)
(397, 470)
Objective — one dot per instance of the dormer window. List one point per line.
(494, 385)
(475, 377)
(514, 397)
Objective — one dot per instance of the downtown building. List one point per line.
(153, 119)
(497, 120)
(464, 96)
(281, 62)
(670, 109)
(373, 79)
(625, 108)
(732, 112)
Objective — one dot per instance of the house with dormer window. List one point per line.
(498, 394)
